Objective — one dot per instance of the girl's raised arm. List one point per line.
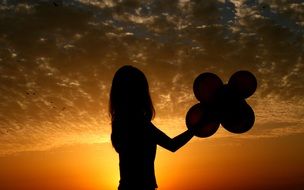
(172, 144)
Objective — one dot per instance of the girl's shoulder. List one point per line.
(151, 127)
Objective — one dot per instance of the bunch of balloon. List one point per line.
(221, 103)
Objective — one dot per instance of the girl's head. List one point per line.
(130, 94)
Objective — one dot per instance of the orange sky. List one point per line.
(201, 164)
(57, 61)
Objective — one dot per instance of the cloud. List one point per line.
(57, 62)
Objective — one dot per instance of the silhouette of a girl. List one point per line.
(133, 136)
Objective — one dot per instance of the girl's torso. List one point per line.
(137, 150)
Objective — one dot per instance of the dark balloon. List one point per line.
(205, 87)
(243, 83)
(226, 96)
(203, 119)
(221, 103)
(237, 117)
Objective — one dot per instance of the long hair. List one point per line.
(129, 97)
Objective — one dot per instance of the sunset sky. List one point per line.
(57, 61)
